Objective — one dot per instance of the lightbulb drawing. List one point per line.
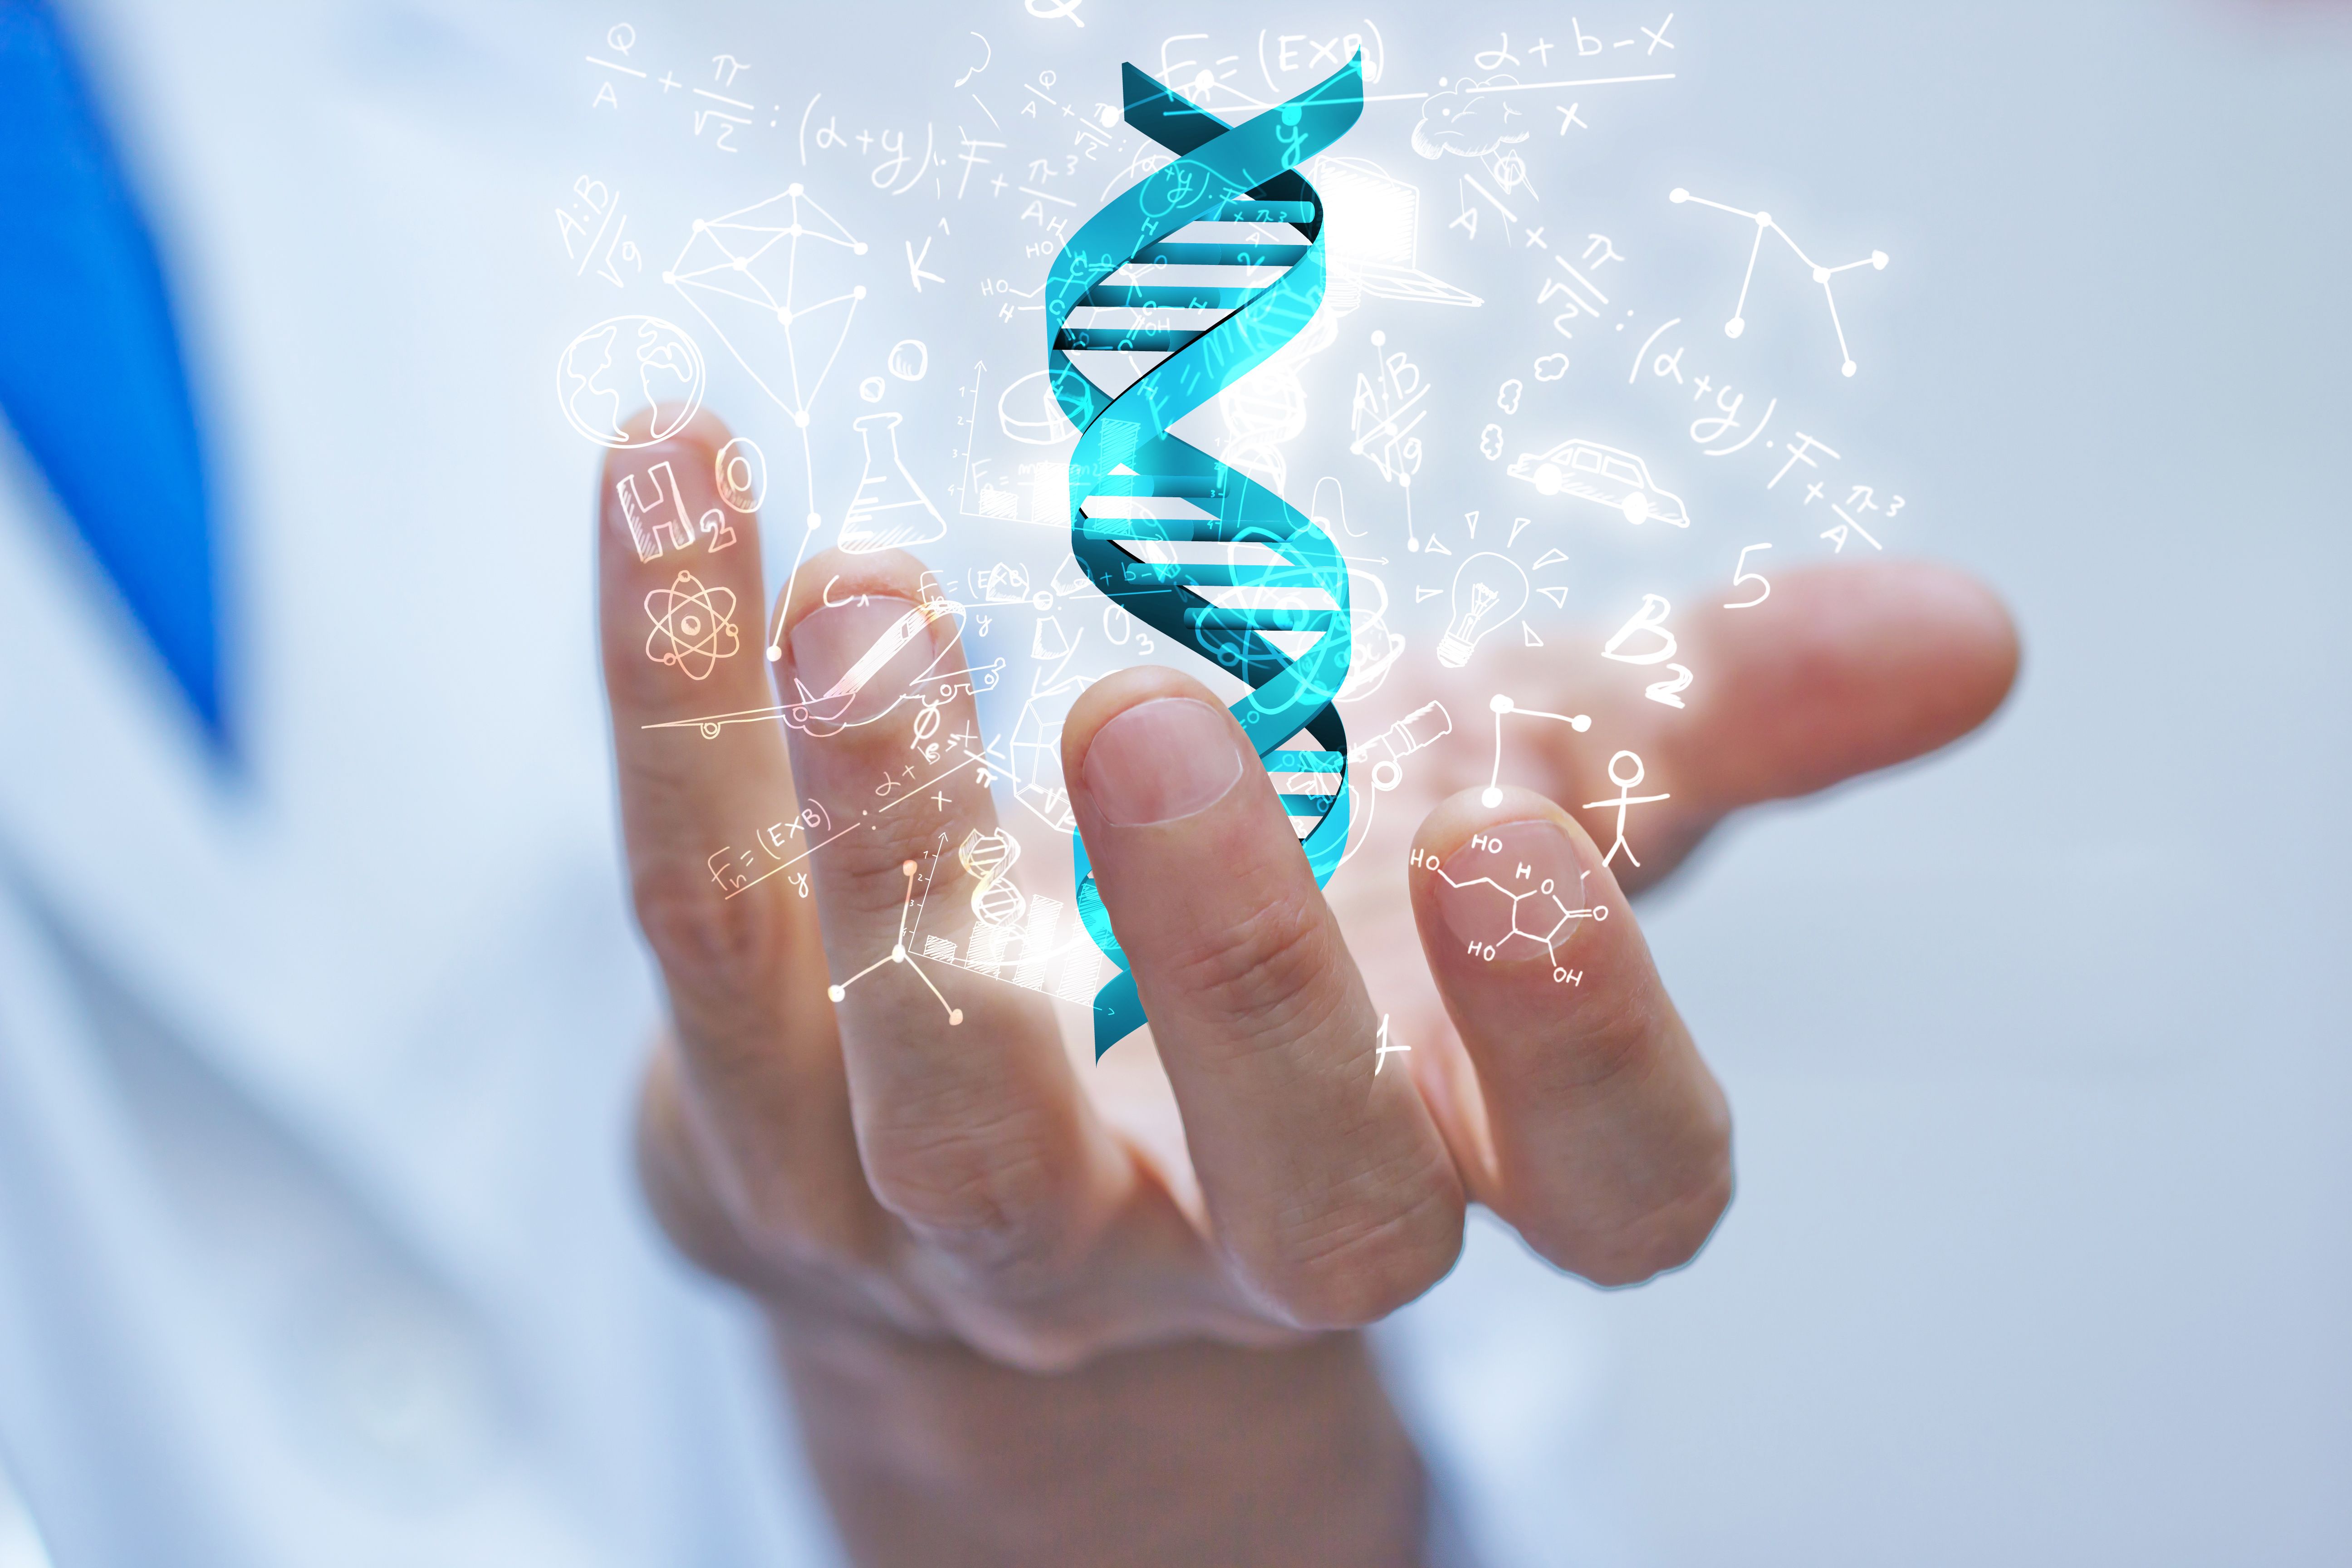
(1489, 591)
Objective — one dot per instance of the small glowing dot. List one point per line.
(955, 1015)
(835, 991)
(1848, 367)
(1763, 220)
(1499, 704)
(1491, 797)
(1678, 194)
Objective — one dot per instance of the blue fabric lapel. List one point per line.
(90, 373)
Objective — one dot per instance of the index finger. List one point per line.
(713, 828)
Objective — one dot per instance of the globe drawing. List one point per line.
(619, 366)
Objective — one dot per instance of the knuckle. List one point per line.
(1611, 1037)
(702, 938)
(1656, 1236)
(1662, 1242)
(1347, 1268)
(992, 1189)
(737, 1218)
(1258, 977)
(866, 881)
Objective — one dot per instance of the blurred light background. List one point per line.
(2037, 1049)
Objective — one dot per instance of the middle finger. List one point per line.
(1330, 1189)
(969, 1119)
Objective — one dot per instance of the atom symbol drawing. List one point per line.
(694, 627)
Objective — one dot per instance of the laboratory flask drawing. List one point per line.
(890, 510)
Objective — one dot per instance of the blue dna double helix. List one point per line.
(1155, 520)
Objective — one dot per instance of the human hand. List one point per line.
(1839, 671)
(924, 1203)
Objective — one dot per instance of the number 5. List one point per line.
(1740, 574)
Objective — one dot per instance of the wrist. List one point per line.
(1186, 1453)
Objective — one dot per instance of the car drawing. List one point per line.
(1590, 472)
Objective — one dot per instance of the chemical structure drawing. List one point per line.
(1144, 501)
(1500, 705)
(898, 953)
(1822, 275)
(1527, 909)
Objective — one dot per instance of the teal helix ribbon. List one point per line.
(1139, 496)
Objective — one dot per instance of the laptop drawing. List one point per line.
(1371, 235)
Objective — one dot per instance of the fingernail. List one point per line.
(1161, 761)
(1513, 892)
(828, 642)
